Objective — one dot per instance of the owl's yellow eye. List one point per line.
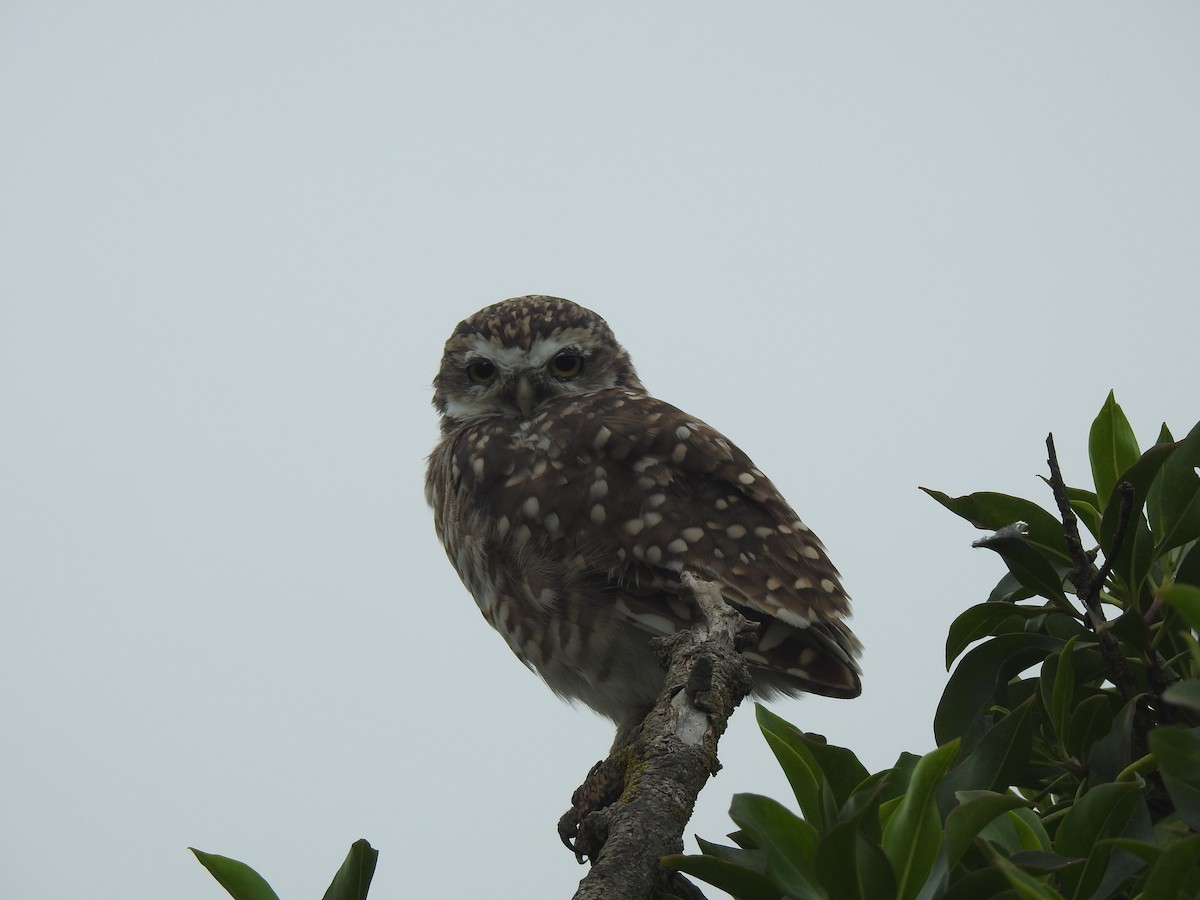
(566, 365)
(481, 371)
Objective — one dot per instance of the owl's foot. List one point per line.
(584, 827)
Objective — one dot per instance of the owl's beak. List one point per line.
(525, 396)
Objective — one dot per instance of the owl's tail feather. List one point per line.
(820, 659)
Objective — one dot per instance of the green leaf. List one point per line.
(1112, 448)
(354, 877)
(913, 834)
(1028, 563)
(1086, 508)
(977, 810)
(823, 776)
(1026, 886)
(983, 620)
(802, 770)
(241, 881)
(733, 879)
(1154, 498)
(1187, 568)
(973, 684)
(1090, 721)
(1141, 475)
(998, 760)
(1185, 599)
(1132, 565)
(1057, 687)
(1008, 590)
(992, 512)
(1105, 811)
(844, 773)
(790, 842)
(980, 884)
(1180, 494)
(852, 867)
(1185, 694)
(755, 860)
(1175, 868)
(1020, 830)
(1178, 755)
(1111, 754)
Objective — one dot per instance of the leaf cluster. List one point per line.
(1068, 758)
(351, 882)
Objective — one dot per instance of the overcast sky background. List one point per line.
(877, 245)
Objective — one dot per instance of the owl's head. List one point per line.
(514, 356)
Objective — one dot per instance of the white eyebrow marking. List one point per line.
(542, 350)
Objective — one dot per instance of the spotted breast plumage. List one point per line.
(569, 501)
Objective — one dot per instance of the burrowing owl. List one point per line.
(570, 500)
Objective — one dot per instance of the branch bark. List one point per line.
(662, 766)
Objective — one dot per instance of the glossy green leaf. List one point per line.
(852, 867)
(790, 842)
(354, 877)
(1112, 753)
(1176, 872)
(977, 810)
(1025, 885)
(823, 776)
(1140, 476)
(1179, 499)
(863, 805)
(998, 760)
(803, 772)
(1009, 590)
(1090, 721)
(913, 834)
(241, 881)
(1017, 831)
(984, 620)
(1058, 675)
(1185, 694)
(1154, 498)
(992, 512)
(1185, 599)
(973, 684)
(1112, 448)
(980, 884)
(726, 876)
(1086, 508)
(1029, 565)
(1187, 568)
(844, 773)
(755, 860)
(1178, 755)
(1103, 812)
(1133, 564)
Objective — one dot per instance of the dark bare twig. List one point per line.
(1078, 555)
(1089, 582)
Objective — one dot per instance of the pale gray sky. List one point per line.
(877, 245)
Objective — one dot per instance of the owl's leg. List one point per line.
(584, 827)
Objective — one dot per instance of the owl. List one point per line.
(569, 500)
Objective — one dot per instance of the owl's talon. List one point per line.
(583, 828)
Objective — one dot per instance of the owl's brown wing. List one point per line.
(676, 494)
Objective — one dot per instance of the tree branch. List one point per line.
(660, 768)
(1089, 581)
